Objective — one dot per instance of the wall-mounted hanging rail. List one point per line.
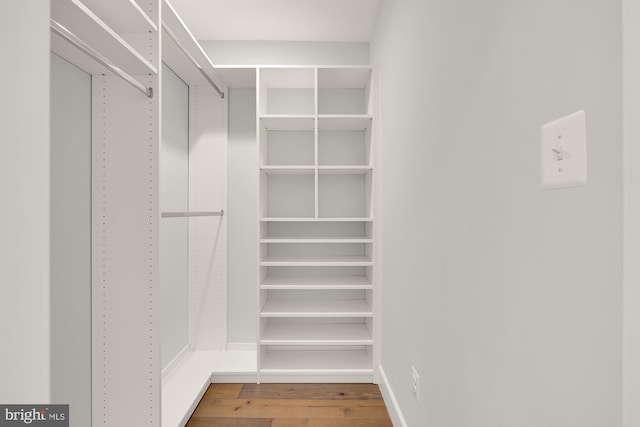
(176, 40)
(190, 214)
(98, 57)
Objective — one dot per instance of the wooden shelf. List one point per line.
(124, 16)
(316, 308)
(311, 219)
(318, 239)
(316, 334)
(288, 122)
(321, 261)
(316, 283)
(81, 21)
(325, 361)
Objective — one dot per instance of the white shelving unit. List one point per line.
(316, 224)
(118, 44)
(123, 45)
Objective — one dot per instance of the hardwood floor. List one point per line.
(291, 405)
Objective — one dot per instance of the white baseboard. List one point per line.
(241, 346)
(175, 362)
(185, 386)
(390, 400)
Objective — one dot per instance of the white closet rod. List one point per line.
(191, 58)
(189, 214)
(97, 56)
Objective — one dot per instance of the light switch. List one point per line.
(564, 152)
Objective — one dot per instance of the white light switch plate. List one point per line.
(564, 152)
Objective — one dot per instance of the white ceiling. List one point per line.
(282, 20)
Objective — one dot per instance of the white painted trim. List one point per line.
(256, 66)
(376, 146)
(390, 400)
(631, 266)
(184, 388)
(234, 378)
(242, 346)
(167, 370)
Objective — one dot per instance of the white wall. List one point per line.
(24, 217)
(243, 227)
(285, 53)
(174, 232)
(631, 372)
(71, 239)
(505, 297)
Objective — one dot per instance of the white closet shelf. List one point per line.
(320, 261)
(124, 16)
(316, 308)
(310, 219)
(316, 283)
(318, 239)
(317, 361)
(177, 60)
(316, 334)
(86, 25)
(344, 170)
(288, 170)
(344, 122)
(285, 122)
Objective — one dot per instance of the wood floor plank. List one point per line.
(291, 405)
(229, 422)
(223, 391)
(310, 391)
(331, 422)
(289, 408)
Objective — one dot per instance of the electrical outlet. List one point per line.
(415, 383)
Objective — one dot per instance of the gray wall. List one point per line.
(631, 309)
(71, 239)
(25, 369)
(174, 232)
(242, 275)
(505, 297)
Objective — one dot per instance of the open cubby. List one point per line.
(287, 91)
(323, 304)
(318, 360)
(288, 148)
(288, 195)
(295, 250)
(316, 331)
(344, 195)
(343, 90)
(336, 232)
(343, 148)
